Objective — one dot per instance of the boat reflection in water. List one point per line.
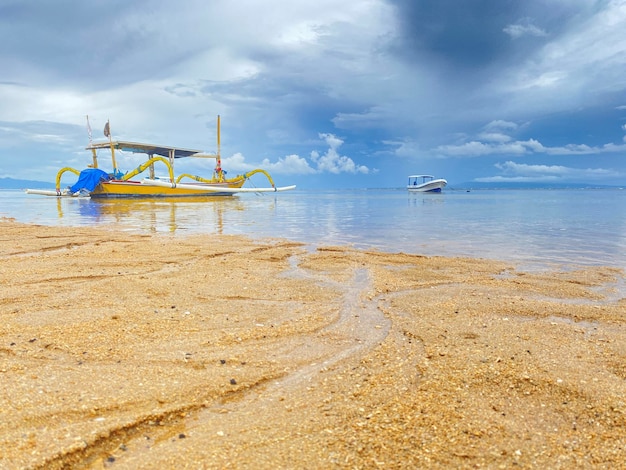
(418, 199)
(194, 214)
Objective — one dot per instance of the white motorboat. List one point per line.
(425, 184)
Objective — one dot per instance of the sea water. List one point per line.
(565, 228)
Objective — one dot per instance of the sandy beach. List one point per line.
(125, 351)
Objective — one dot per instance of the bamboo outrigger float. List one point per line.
(96, 183)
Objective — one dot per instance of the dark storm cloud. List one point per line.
(479, 34)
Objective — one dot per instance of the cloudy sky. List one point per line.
(323, 94)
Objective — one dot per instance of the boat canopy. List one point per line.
(89, 179)
(421, 176)
(149, 149)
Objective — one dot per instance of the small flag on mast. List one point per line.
(107, 130)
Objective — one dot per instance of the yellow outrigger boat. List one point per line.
(97, 183)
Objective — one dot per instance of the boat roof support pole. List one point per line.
(113, 158)
(172, 152)
(107, 133)
(94, 157)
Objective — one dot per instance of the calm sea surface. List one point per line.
(534, 228)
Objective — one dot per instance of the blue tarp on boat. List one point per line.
(89, 179)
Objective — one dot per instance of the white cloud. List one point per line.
(500, 143)
(501, 125)
(510, 167)
(332, 162)
(289, 165)
(580, 62)
(518, 30)
(477, 149)
(519, 172)
(236, 163)
(405, 149)
(494, 137)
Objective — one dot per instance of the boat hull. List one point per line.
(138, 189)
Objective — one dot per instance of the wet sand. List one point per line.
(127, 351)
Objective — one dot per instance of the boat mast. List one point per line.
(219, 152)
(94, 155)
(218, 166)
(107, 133)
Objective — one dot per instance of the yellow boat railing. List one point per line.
(60, 174)
(221, 179)
(258, 170)
(141, 168)
(206, 180)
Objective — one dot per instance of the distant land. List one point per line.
(10, 183)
